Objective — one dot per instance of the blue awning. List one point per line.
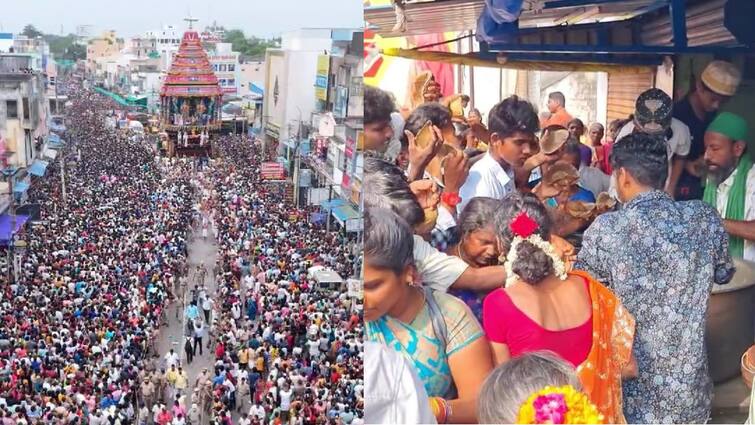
(54, 138)
(344, 213)
(38, 168)
(333, 203)
(256, 89)
(20, 187)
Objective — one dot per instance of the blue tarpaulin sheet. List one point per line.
(345, 213)
(256, 89)
(20, 187)
(333, 203)
(38, 168)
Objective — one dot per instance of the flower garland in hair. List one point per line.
(524, 227)
(559, 405)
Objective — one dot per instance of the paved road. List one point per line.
(201, 252)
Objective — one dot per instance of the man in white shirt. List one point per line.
(394, 393)
(512, 124)
(730, 170)
(171, 358)
(257, 412)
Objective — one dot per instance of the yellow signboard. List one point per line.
(321, 82)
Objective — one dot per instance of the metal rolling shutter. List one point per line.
(623, 89)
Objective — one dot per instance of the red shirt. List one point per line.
(504, 323)
(606, 163)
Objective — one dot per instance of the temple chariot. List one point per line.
(190, 101)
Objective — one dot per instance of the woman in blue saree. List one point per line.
(436, 331)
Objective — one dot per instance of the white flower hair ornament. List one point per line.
(524, 227)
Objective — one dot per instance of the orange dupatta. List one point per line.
(613, 334)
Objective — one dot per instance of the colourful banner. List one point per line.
(395, 74)
(321, 81)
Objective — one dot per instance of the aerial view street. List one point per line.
(175, 248)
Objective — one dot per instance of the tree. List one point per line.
(31, 31)
(249, 47)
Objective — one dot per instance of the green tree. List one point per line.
(31, 31)
(249, 47)
(65, 47)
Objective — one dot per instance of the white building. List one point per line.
(36, 48)
(166, 43)
(289, 83)
(24, 113)
(225, 63)
(6, 42)
(251, 72)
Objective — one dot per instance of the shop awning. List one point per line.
(54, 141)
(50, 153)
(256, 89)
(327, 276)
(20, 187)
(345, 213)
(6, 222)
(333, 203)
(38, 168)
(492, 60)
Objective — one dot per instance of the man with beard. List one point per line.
(715, 86)
(731, 181)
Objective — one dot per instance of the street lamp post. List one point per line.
(297, 161)
(10, 174)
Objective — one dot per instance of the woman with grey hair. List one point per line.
(512, 383)
(476, 245)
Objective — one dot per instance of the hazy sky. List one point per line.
(262, 18)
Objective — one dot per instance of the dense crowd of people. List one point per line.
(284, 349)
(487, 245)
(92, 287)
(78, 342)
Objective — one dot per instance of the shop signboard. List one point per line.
(341, 102)
(356, 192)
(355, 225)
(354, 288)
(321, 80)
(349, 166)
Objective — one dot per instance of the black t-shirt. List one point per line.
(689, 186)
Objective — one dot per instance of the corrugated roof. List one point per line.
(461, 15)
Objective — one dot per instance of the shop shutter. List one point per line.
(623, 89)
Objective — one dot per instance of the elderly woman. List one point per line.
(436, 331)
(477, 244)
(509, 387)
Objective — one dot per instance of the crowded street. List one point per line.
(158, 290)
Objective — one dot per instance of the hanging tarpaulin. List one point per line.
(478, 59)
(499, 20)
(395, 75)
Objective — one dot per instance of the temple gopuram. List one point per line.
(190, 101)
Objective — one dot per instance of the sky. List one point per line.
(261, 18)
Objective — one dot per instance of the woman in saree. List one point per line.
(436, 331)
(476, 245)
(544, 307)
